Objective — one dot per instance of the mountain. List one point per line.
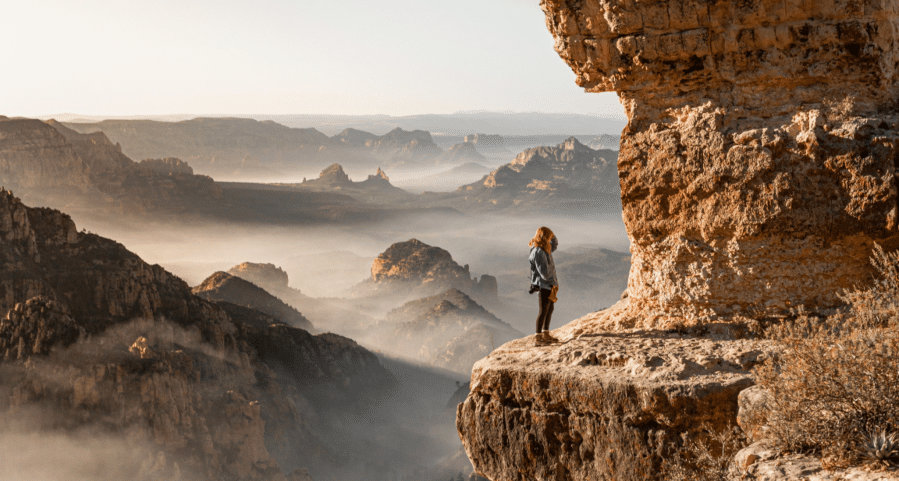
(567, 177)
(34, 155)
(222, 147)
(376, 189)
(460, 153)
(240, 148)
(413, 268)
(448, 330)
(222, 286)
(95, 340)
(54, 165)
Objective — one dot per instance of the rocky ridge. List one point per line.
(93, 336)
(221, 286)
(448, 330)
(376, 189)
(54, 164)
(564, 177)
(745, 149)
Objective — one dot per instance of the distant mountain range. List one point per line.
(569, 177)
(460, 123)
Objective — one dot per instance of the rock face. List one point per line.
(420, 268)
(267, 276)
(598, 407)
(94, 338)
(33, 154)
(54, 164)
(760, 150)
(167, 166)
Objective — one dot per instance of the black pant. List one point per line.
(546, 310)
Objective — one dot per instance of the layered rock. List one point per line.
(34, 155)
(267, 276)
(758, 164)
(599, 407)
(53, 164)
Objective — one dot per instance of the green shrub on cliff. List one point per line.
(835, 380)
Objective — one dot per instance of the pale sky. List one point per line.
(396, 57)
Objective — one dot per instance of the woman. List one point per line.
(543, 277)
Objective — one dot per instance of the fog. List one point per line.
(410, 435)
(408, 432)
(325, 261)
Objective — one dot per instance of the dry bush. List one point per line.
(838, 111)
(709, 459)
(835, 380)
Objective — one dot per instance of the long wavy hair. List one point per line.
(542, 239)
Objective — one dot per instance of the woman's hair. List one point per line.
(542, 239)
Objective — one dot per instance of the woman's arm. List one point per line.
(541, 265)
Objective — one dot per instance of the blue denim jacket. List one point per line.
(543, 269)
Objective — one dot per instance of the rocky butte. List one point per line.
(757, 171)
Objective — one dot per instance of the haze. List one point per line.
(397, 57)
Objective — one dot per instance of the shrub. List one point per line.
(709, 459)
(834, 380)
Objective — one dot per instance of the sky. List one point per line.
(348, 57)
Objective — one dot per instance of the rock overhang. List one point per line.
(737, 48)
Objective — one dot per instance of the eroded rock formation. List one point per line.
(758, 164)
(413, 267)
(565, 177)
(757, 170)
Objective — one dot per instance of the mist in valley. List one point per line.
(409, 434)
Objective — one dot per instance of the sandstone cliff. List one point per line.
(759, 133)
(267, 276)
(53, 164)
(34, 155)
(94, 338)
(757, 170)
